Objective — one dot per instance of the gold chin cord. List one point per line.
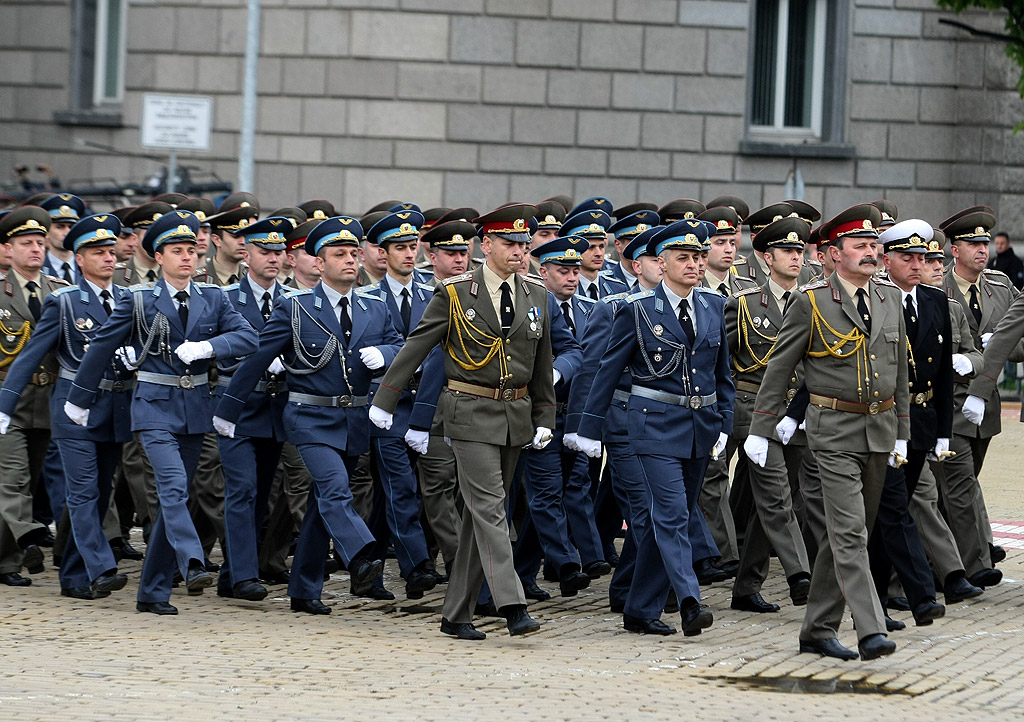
(746, 323)
(19, 338)
(462, 334)
(835, 347)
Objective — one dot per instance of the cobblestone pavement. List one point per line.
(225, 659)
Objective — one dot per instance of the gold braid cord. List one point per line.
(836, 349)
(746, 323)
(22, 334)
(462, 331)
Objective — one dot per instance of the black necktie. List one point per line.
(975, 304)
(182, 299)
(592, 291)
(568, 317)
(406, 310)
(33, 300)
(105, 296)
(346, 322)
(785, 298)
(265, 309)
(862, 308)
(233, 278)
(910, 317)
(723, 289)
(507, 312)
(685, 321)
(67, 273)
(151, 276)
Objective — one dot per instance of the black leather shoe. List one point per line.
(309, 606)
(250, 590)
(827, 647)
(874, 646)
(997, 553)
(533, 591)
(730, 568)
(960, 589)
(374, 590)
(646, 626)
(893, 625)
(612, 559)
(156, 607)
(47, 539)
(520, 622)
(596, 570)
(418, 582)
(223, 590)
(363, 572)
(211, 566)
(461, 630)
(928, 611)
(282, 577)
(439, 578)
(616, 607)
(573, 582)
(82, 593)
(696, 618)
(799, 588)
(986, 578)
(753, 603)
(13, 579)
(197, 578)
(672, 603)
(109, 581)
(486, 609)
(130, 552)
(550, 573)
(899, 604)
(33, 559)
(708, 573)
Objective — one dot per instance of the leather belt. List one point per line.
(852, 407)
(748, 386)
(182, 382)
(694, 402)
(486, 392)
(338, 402)
(921, 399)
(105, 384)
(620, 395)
(41, 378)
(264, 387)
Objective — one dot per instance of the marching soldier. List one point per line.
(595, 282)
(141, 266)
(65, 210)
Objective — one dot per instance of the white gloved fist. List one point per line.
(590, 447)
(127, 356)
(371, 357)
(719, 447)
(984, 340)
(541, 438)
(756, 448)
(941, 451)
(380, 418)
(5, 421)
(556, 375)
(417, 440)
(962, 365)
(76, 413)
(193, 351)
(276, 366)
(224, 428)
(571, 442)
(898, 455)
(974, 410)
(785, 429)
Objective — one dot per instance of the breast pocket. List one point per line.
(892, 337)
(206, 330)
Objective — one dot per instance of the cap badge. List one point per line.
(457, 238)
(658, 329)
(519, 225)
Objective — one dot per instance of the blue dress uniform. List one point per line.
(326, 414)
(680, 402)
(70, 318)
(172, 405)
(249, 458)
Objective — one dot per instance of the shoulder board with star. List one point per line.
(426, 287)
(639, 295)
(232, 287)
(706, 289)
(884, 281)
(535, 280)
(587, 300)
(375, 286)
(996, 278)
(142, 286)
(297, 292)
(820, 283)
(739, 261)
(202, 284)
(753, 290)
(54, 280)
(369, 292)
(458, 279)
(65, 289)
(612, 297)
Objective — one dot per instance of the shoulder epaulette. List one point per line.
(705, 289)
(232, 287)
(884, 281)
(993, 272)
(55, 279)
(535, 280)
(203, 284)
(611, 297)
(748, 291)
(426, 287)
(739, 261)
(369, 292)
(375, 286)
(457, 279)
(65, 289)
(142, 286)
(586, 300)
(630, 298)
(297, 292)
(820, 283)
(991, 276)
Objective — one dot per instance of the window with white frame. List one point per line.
(98, 49)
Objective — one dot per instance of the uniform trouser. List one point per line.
(622, 577)
(438, 490)
(287, 509)
(714, 503)
(814, 531)
(329, 515)
(206, 498)
(111, 526)
(607, 517)
(773, 523)
(485, 550)
(53, 477)
(851, 484)
(741, 500)
(137, 475)
(361, 483)
(250, 464)
(22, 452)
(173, 542)
(964, 503)
(938, 540)
(89, 469)
(394, 463)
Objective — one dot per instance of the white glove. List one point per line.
(962, 365)
(974, 410)
(193, 351)
(756, 448)
(571, 442)
(557, 376)
(224, 428)
(76, 413)
(590, 447)
(541, 438)
(5, 421)
(719, 447)
(898, 455)
(380, 418)
(371, 357)
(941, 451)
(417, 440)
(785, 429)
(984, 340)
(127, 355)
(276, 367)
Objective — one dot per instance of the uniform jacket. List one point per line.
(931, 369)
(608, 283)
(1004, 342)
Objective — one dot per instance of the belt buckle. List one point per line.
(117, 386)
(271, 387)
(790, 394)
(345, 401)
(43, 378)
(695, 402)
(186, 382)
(873, 408)
(918, 399)
(507, 394)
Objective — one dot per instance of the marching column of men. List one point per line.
(349, 397)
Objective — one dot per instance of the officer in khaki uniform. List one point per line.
(496, 330)
(847, 328)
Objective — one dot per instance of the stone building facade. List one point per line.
(477, 102)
